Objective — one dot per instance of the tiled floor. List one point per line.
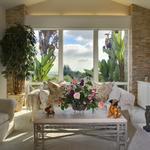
(22, 137)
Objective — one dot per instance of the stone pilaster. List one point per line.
(16, 15)
(140, 45)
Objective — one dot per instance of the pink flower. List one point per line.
(90, 97)
(101, 104)
(76, 95)
(93, 90)
(74, 82)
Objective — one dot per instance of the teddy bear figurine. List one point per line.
(49, 110)
(114, 111)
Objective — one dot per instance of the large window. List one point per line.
(77, 53)
(97, 54)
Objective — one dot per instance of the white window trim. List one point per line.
(95, 55)
(60, 56)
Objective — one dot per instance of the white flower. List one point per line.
(76, 95)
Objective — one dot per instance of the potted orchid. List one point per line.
(79, 95)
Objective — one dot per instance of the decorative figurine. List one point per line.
(49, 110)
(147, 118)
(114, 111)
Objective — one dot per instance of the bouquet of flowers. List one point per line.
(79, 95)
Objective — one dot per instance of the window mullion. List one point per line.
(95, 55)
(60, 56)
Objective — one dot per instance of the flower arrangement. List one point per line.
(79, 95)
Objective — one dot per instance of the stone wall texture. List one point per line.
(16, 15)
(140, 45)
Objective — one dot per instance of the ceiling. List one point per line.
(78, 7)
(12, 3)
(142, 3)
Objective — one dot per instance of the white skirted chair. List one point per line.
(7, 108)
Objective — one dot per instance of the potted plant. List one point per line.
(17, 55)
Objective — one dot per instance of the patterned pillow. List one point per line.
(103, 90)
(55, 92)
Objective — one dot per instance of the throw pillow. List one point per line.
(126, 100)
(103, 90)
(115, 93)
(43, 98)
(55, 92)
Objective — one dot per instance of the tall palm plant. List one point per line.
(113, 68)
(119, 48)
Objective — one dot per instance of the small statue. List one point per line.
(114, 111)
(147, 118)
(49, 110)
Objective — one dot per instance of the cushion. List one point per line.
(53, 87)
(126, 100)
(115, 93)
(3, 118)
(45, 86)
(55, 92)
(103, 90)
(34, 92)
(43, 95)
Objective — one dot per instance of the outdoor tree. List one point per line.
(47, 39)
(48, 43)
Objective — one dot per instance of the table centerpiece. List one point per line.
(80, 95)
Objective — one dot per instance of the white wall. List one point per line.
(68, 22)
(3, 86)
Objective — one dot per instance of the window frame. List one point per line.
(95, 51)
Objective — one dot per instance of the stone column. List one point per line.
(140, 45)
(3, 83)
(16, 15)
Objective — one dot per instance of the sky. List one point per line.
(78, 49)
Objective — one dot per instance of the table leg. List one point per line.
(42, 132)
(126, 137)
(35, 136)
(118, 138)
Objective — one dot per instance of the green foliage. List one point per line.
(113, 68)
(18, 50)
(70, 74)
(17, 53)
(67, 78)
(41, 68)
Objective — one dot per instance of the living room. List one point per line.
(76, 17)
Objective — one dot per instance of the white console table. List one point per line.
(143, 93)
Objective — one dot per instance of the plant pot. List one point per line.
(20, 98)
(78, 107)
